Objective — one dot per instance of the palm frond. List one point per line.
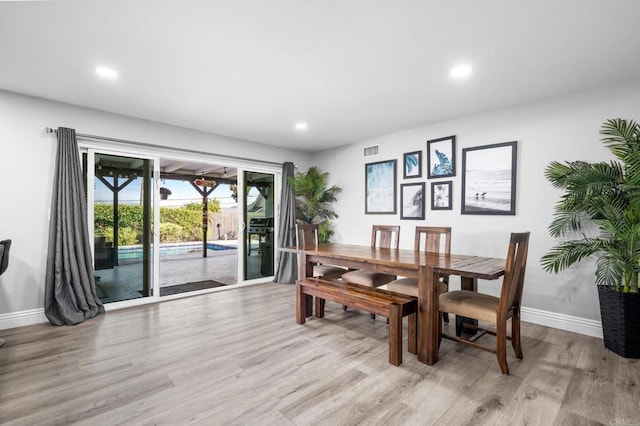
(621, 136)
(609, 272)
(567, 253)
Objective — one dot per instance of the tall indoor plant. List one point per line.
(605, 194)
(314, 199)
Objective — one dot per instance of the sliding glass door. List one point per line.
(162, 226)
(121, 199)
(259, 224)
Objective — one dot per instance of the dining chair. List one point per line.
(430, 239)
(307, 236)
(491, 309)
(382, 236)
(5, 247)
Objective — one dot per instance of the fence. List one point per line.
(228, 229)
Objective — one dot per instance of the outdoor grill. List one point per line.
(262, 227)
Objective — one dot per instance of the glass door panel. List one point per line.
(259, 214)
(123, 220)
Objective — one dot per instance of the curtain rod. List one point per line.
(151, 145)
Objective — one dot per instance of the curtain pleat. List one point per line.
(287, 269)
(70, 291)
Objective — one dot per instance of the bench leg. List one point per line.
(319, 307)
(301, 305)
(411, 331)
(395, 334)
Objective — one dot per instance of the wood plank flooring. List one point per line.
(238, 357)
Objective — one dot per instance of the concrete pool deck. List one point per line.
(124, 282)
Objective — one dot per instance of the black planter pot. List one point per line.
(620, 314)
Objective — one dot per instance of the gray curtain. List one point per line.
(70, 290)
(287, 272)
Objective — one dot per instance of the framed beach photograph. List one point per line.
(412, 164)
(441, 196)
(412, 201)
(441, 157)
(380, 187)
(489, 179)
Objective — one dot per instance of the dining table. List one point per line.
(424, 266)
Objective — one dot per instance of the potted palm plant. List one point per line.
(607, 195)
(314, 200)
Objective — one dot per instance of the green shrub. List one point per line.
(176, 224)
(170, 233)
(126, 236)
(190, 222)
(213, 206)
(106, 232)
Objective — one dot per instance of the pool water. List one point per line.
(135, 252)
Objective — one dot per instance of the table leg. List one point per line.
(427, 315)
(411, 333)
(469, 284)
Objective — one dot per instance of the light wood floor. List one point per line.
(238, 357)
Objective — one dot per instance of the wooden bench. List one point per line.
(376, 301)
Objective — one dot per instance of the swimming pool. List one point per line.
(135, 252)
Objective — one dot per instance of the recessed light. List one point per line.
(105, 72)
(461, 71)
(301, 126)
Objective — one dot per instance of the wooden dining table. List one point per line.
(426, 267)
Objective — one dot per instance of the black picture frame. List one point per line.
(441, 157)
(489, 179)
(412, 201)
(442, 195)
(412, 164)
(380, 187)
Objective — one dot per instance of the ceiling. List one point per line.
(352, 70)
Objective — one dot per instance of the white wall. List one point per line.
(564, 128)
(27, 156)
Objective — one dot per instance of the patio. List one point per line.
(124, 282)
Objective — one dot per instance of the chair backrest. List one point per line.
(5, 246)
(385, 236)
(307, 235)
(516, 265)
(433, 236)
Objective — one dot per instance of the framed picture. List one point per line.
(441, 157)
(412, 201)
(412, 164)
(380, 187)
(441, 195)
(489, 179)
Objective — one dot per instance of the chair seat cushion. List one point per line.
(470, 304)
(328, 272)
(368, 278)
(409, 286)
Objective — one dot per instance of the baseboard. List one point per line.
(563, 322)
(37, 316)
(535, 316)
(22, 318)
